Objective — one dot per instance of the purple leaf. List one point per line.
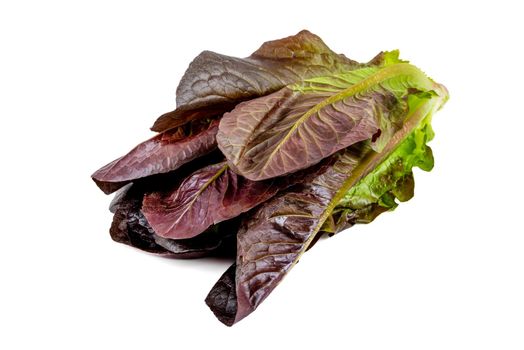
(215, 83)
(130, 227)
(208, 196)
(161, 154)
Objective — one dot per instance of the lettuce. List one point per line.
(356, 186)
(264, 155)
(390, 181)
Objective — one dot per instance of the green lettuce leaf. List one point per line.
(392, 179)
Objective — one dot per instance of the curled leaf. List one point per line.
(130, 227)
(222, 299)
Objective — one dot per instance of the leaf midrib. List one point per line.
(372, 160)
(376, 78)
(198, 193)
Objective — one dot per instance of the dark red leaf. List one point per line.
(208, 196)
(130, 227)
(273, 237)
(161, 154)
(214, 83)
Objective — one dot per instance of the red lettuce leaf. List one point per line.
(271, 240)
(214, 83)
(305, 122)
(130, 227)
(264, 137)
(222, 299)
(208, 196)
(161, 154)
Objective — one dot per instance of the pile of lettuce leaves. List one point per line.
(264, 155)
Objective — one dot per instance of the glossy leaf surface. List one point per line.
(130, 227)
(214, 83)
(272, 240)
(262, 138)
(161, 154)
(265, 155)
(208, 196)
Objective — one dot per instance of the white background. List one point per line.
(81, 83)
